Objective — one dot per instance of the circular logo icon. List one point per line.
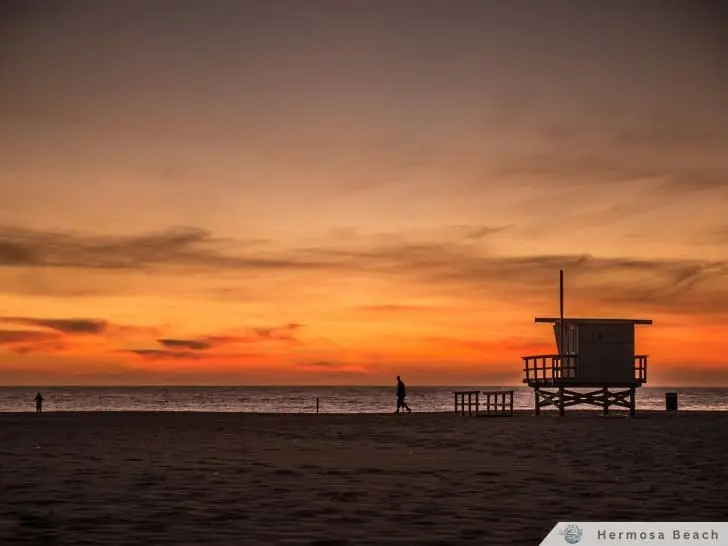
(572, 533)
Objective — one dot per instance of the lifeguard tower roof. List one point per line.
(556, 320)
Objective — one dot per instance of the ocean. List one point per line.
(302, 399)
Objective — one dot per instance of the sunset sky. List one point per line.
(337, 192)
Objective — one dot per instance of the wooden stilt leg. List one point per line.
(632, 405)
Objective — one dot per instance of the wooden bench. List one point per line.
(496, 403)
(473, 398)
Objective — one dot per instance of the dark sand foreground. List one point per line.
(205, 478)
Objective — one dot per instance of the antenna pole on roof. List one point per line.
(561, 310)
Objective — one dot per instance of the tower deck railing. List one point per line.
(562, 369)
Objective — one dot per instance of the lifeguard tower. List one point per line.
(595, 363)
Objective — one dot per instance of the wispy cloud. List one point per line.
(662, 128)
(82, 326)
(66, 326)
(192, 344)
(161, 354)
(718, 235)
(394, 308)
(434, 267)
(9, 337)
(277, 333)
(200, 347)
(479, 232)
(256, 334)
(31, 341)
(53, 335)
(590, 168)
(620, 128)
(694, 181)
(190, 248)
(486, 348)
(185, 247)
(679, 285)
(324, 367)
(327, 364)
(624, 147)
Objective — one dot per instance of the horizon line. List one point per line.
(310, 386)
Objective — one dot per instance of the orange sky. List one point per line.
(265, 193)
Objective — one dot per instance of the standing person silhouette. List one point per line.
(401, 394)
(38, 403)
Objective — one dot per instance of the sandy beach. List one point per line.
(215, 478)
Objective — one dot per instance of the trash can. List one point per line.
(671, 401)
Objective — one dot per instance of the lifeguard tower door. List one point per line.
(570, 347)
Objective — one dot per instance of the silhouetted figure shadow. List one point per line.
(401, 394)
(38, 403)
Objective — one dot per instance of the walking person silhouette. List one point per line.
(401, 394)
(38, 403)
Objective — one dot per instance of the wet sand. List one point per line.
(228, 479)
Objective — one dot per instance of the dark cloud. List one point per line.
(190, 354)
(680, 285)
(186, 247)
(397, 308)
(55, 335)
(448, 267)
(160, 354)
(258, 334)
(518, 345)
(31, 341)
(9, 337)
(66, 326)
(189, 248)
(82, 326)
(331, 369)
(176, 348)
(479, 232)
(326, 364)
(217, 340)
(45, 347)
(192, 344)
(278, 333)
